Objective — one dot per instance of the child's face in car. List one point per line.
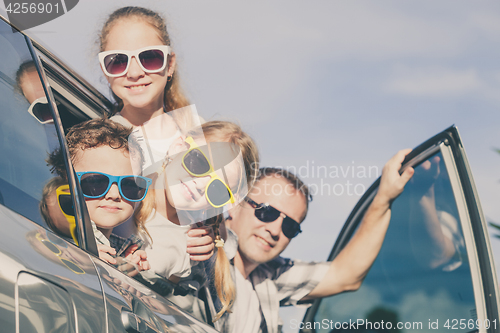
(187, 192)
(111, 209)
(136, 88)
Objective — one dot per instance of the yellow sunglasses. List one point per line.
(72, 266)
(65, 203)
(197, 164)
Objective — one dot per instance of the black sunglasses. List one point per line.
(66, 204)
(267, 213)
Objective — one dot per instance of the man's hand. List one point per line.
(200, 244)
(391, 182)
(106, 253)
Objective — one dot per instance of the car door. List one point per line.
(435, 270)
(136, 307)
(47, 283)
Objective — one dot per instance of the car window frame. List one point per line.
(86, 240)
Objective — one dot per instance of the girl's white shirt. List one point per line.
(154, 137)
(167, 249)
(118, 118)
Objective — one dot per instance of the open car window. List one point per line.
(435, 269)
(76, 100)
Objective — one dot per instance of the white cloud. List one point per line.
(365, 31)
(487, 22)
(433, 81)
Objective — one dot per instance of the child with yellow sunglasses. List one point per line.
(57, 210)
(202, 176)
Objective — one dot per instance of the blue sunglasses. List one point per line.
(97, 184)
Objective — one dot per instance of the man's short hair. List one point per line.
(291, 178)
(92, 134)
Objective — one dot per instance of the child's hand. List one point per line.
(106, 253)
(137, 257)
(200, 244)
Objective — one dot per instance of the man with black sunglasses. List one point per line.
(266, 223)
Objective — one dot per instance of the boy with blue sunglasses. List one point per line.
(106, 166)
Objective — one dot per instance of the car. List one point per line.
(50, 281)
(435, 270)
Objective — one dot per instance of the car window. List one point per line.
(422, 275)
(27, 136)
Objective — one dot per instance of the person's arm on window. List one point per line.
(349, 268)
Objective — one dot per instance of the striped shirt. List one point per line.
(279, 282)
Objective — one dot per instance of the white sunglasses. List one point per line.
(41, 111)
(151, 59)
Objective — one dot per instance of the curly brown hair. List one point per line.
(92, 134)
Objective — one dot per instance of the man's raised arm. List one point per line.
(350, 267)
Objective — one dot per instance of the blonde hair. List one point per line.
(174, 97)
(219, 131)
(225, 131)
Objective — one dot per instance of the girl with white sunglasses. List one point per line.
(139, 64)
(137, 59)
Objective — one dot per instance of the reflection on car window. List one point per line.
(422, 272)
(27, 135)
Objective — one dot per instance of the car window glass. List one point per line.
(27, 136)
(422, 274)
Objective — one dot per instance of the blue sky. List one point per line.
(342, 84)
